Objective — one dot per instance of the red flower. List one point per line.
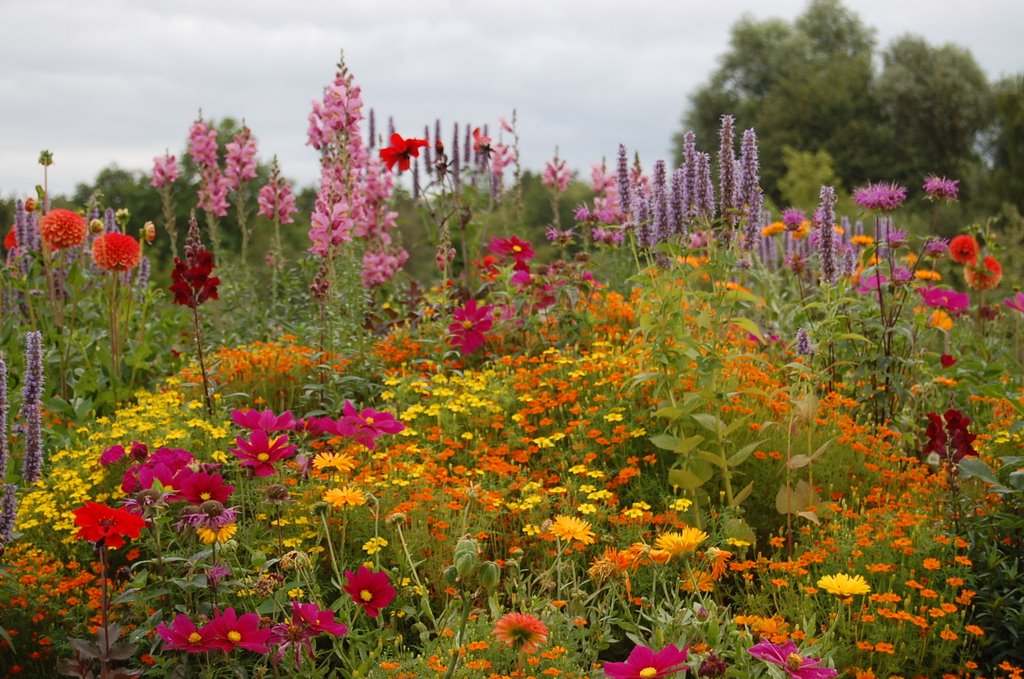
(182, 635)
(228, 631)
(370, 589)
(198, 487)
(193, 283)
(951, 440)
(518, 250)
(947, 361)
(260, 453)
(964, 249)
(11, 240)
(62, 228)
(107, 526)
(470, 324)
(116, 252)
(986, 276)
(401, 151)
(481, 142)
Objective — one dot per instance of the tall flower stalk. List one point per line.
(277, 203)
(31, 402)
(165, 173)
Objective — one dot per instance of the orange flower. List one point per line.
(521, 631)
(986, 276)
(116, 252)
(62, 228)
(964, 249)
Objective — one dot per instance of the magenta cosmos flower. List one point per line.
(950, 300)
(518, 250)
(182, 635)
(366, 425)
(198, 487)
(882, 197)
(370, 589)
(228, 631)
(307, 622)
(793, 663)
(1016, 302)
(470, 324)
(259, 453)
(644, 663)
(252, 419)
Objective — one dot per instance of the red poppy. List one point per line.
(963, 249)
(370, 589)
(401, 151)
(105, 525)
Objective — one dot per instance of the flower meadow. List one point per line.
(673, 436)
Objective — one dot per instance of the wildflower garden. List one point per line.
(681, 435)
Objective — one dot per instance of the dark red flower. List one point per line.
(950, 440)
(947, 361)
(192, 283)
(401, 151)
(370, 589)
(107, 526)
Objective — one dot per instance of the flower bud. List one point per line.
(96, 226)
(465, 563)
(490, 574)
(451, 575)
(30, 205)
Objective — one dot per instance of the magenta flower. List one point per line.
(470, 324)
(882, 197)
(213, 192)
(1016, 302)
(370, 589)
(870, 285)
(940, 188)
(307, 622)
(252, 419)
(202, 144)
(111, 455)
(950, 300)
(182, 635)
(165, 171)
(793, 217)
(198, 487)
(556, 174)
(367, 425)
(228, 631)
(518, 250)
(162, 466)
(793, 663)
(276, 200)
(644, 663)
(260, 453)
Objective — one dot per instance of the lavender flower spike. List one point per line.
(825, 218)
(750, 187)
(727, 190)
(4, 408)
(623, 180)
(32, 394)
(660, 229)
(8, 513)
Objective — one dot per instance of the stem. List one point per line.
(104, 603)
(202, 363)
(456, 652)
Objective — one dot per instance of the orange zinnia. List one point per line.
(521, 631)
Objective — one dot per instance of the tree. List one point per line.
(1005, 145)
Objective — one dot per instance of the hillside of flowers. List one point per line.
(682, 435)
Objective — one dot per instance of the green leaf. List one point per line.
(740, 456)
(671, 413)
(853, 336)
(973, 468)
(712, 458)
(665, 441)
(798, 461)
(787, 501)
(710, 422)
(749, 326)
(743, 494)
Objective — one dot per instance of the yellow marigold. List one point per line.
(844, 585)
(683, 542)
(862, 240)
(941, 320)
(341, 498)
(570, 528)
(927, 275)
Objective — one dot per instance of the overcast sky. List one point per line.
(100, 82)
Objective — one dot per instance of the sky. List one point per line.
(103, 82)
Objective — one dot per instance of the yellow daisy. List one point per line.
(683, 542)
(844, 585)
(570, 528)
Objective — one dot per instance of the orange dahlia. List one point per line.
(62, 228)
(985, 276)
(963, 249)
(116, 252)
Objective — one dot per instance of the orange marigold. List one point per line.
(62, 228)
(116, 252)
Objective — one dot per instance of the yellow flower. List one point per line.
(941, 320)
(221, 535)
(374, 545)
(681, 504)
(844, 585)
(296, 593)
(683, 542)
(927, 275)
(862, 240)
(773, 228)
(341, 498)
(570, 528)
(343, 462)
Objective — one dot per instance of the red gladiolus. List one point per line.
(193, 283)
(107, 526)
(62, 228)
(964, 249)
(116, 252)
(370, 589)
(401, 151)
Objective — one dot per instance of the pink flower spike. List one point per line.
(644, 663)
(165, 171)
(793, 663)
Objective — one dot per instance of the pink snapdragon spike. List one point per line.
(276, 200)
(240, 163)
(307, 623)
(182, 635)
(793, 663)
(259, 453)
(228, 631)
(165, 171)
(253, 419)
(556, 174)
(199, 487)
(213, 192)
(202, 144)
(1016, 302)
(644, 663)
(505, 125)
(469, 326)
(949, 300)
(370, 589)
(367, 425)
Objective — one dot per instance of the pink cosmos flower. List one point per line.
(644, 663)
(793, 663)
(1016, 302)
(870, 285)
(370, 589)
(259, 453)
(251, 419)
(519, 250)
(307, 622)
(469, 327)
(367, 425)
(165, 171)
(949, 300)
(198, 487)
(182, 635)
(228, 631)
